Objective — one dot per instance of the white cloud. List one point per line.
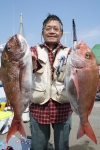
(89, 33)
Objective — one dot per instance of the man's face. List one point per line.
(52, 32)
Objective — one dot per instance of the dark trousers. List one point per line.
(41, 134)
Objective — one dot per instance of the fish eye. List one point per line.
(9, 48)
(87, 55)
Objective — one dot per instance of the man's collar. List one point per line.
(57, 47)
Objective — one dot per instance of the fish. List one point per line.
(16, 68)
(81, 82)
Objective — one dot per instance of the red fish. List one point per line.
(81, 84)
(16, 67)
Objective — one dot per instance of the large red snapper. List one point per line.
(81, 84)
(16, 66)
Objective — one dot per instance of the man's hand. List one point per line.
(69, 51)
(34, 53)
(34, 57)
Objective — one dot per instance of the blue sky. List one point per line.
(86, 14)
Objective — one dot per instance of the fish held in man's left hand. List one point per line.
(16, 67)
(81, 82)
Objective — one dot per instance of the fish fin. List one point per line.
(16, 125)
(21, 73)
(86, 129)
(74, 108)
(75, 80)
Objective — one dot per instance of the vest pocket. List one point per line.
(38, 96)
(62, 96)
(60, 77)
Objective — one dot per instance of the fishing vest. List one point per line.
(43, 88)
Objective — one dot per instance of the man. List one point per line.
(50, 104)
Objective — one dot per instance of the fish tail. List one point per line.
(86, 129)
(16, 125)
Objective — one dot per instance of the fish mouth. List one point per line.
(17, 39)
(21, 41)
